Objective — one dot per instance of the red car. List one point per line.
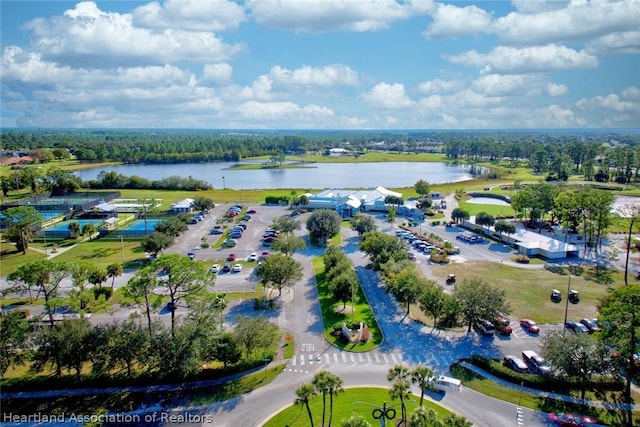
(530, 326)
(502, 325)
(264, 255)
(231, 257)
(564, 419)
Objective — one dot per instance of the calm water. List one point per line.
(321, 176)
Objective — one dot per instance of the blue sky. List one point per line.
(321, 64)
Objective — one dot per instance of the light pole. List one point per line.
(224, 187)
(566, 307)
(122, 247)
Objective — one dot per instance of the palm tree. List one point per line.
(321, 382)
(355, 421)
(74, 229)
(422, 376)
(303, 394)
(114, 270)
(423, 417)
(334, 386)
(400, 375)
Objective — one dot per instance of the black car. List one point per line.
(216, 231)
(485, 328)
(591, 324)
(226, 268)
(576, 327)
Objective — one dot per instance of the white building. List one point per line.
(349, 202)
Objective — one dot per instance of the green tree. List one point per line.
(59, 181)
(355, 421)
(203, 203)
(114, 270)
(155, 242)
(14, 330)
(280, 271)
(630, 214)
(620, 319)
(22, 221)
(399, 376)
(406, 286)
(288, 244)
(322, 226)
(140, 287)
(391, 215)
(382, 247)
(89, 230)
(422, 376)
(183, 279)
(74, 229)
(459, 214)
(479, 300)
(42, 277)
(326, 383)
(578, 355)
(454, 420)
(80, 273)
(304, 393)
(255, 333)
(504, 227)
(344, 286)
(363, 224)
(70, 346)
(422, 187)
(433, 300)
(484, 219)
(31, 176)
(424, 417)
(285, 224)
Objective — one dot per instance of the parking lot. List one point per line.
(250, 242)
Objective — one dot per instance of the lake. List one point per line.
(320, 176)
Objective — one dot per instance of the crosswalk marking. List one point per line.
(335, 357)
(377, 357)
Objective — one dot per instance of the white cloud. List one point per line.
(537, 6)
(628, 102)
(90, 38)
(579, 21)
(327, 76)
(616, 44)
(217, 73)
(388, 96)
(553, 89)
(191, 15)
(505, 59)
(334, 15)
(450, 21)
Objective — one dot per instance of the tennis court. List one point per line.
(64, 226)
(137, 226)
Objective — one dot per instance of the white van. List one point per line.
(444, 384)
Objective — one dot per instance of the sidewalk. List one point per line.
(546, 394)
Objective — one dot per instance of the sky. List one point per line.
(321, 64)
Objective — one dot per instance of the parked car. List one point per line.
(216, 231)
(536, 363)
(591, 324)
(237, 268)
(253, 257)
(570, 420)
(226, 268)
(502, 325)
(215, 268)
(515, 363)
(530, 326)
(576, 327)
(235, 235)
(412, 256)
(485, 328)
(264, 255)
(229, 243)
(231, 257)
(251, 211)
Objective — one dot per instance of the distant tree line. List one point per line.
(114, 180)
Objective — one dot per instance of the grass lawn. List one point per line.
(361, 401)
(11, 258)
(528, 290)
(332, 315)
(495, 210)
(103, 252)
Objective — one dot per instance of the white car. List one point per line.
(237, 268)
(253, 257)
(215, 268)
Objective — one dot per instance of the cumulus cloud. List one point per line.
(191, 15)
(334, 15)
(440, 86)
(622, 43)
(537, 6)
(506, 59)
(90, 38)
(579, 21)
(450, 21)
(388, 96)
(216, 73)
(327, 76)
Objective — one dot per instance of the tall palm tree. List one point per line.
(400, 376)
(334, 386)
(114, 270)
(422, 376)
(321, 382)
(303, 394)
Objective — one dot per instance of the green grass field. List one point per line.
(332, 314)
(361, 401)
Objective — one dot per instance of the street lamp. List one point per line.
(224, 187)
(122, 247)
(382, 413)
(566, 307)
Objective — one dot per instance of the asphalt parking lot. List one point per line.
(250, 242)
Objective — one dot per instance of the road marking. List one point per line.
(360, 357)
(368, 357)
(344, 358)
(302, 360)
(353, 359)
(384, 356)
(376, 357)
(335, 357)
(307, 347)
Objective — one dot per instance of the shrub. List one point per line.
(439, 258)
(522, 259)
(204, 245)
